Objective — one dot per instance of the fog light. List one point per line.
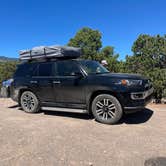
(137, 96)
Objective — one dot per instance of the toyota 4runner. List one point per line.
(79, 86)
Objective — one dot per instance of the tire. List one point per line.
(29, 102)
(106, 109)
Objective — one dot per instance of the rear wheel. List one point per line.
(29, 102)
(106, 109)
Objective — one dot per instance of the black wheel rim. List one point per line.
(105, 109)
(28, 101)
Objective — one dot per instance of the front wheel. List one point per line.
(29, 102)
(106, 109)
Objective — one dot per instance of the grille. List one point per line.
(147, 84)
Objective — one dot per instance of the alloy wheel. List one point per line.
(29, 102)
(105, 109)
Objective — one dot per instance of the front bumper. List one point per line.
(133, 104)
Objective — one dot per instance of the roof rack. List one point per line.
(45, 60)
(50, 52)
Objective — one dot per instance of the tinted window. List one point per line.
(24, 70)
(45, 69)
(93, 67)
(67, 68)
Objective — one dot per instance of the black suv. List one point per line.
(79, 86)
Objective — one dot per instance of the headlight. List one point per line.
(127, 82)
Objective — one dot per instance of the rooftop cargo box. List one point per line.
(50, 52)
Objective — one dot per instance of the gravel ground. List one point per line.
(66, 139)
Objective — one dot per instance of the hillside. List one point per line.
(3, 59)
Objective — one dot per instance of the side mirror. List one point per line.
(77, 74)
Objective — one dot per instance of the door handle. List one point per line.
(56, 82)
(33, 82)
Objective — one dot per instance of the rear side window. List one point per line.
(45, 69)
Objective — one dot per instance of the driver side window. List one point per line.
(67, 68)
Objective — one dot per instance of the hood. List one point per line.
(124, 76)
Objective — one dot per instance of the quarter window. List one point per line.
(24, 70)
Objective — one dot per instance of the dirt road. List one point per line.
(63, 139)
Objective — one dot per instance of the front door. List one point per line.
(70, 85)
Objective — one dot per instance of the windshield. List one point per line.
(93, 67)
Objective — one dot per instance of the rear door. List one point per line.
(42, 82)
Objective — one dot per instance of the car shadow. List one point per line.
(57, 113)
(14, 106)
(137, 117)
(68, 114)
(133, 118)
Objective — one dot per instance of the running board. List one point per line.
(64, 109)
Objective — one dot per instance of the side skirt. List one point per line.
(60, 109)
